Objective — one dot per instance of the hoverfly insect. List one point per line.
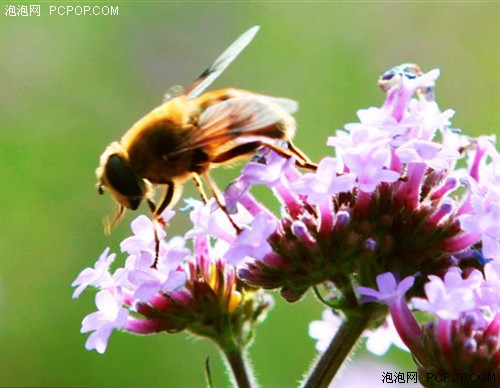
(189, 134)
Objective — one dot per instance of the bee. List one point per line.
(191, 133)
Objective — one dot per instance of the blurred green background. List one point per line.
(72, 84)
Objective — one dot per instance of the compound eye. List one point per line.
(122, 179)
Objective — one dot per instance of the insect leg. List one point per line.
(219, 199)
(297, 151)
(166, 199)
(199, 186)
(151, 205)
(157, 220)
(302, 161)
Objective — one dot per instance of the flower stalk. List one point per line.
(341, 346)
(238, 366)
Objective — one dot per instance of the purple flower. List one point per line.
(428, 152)
(201, 216)
(483, 223)
(144, 235)
(377, 119)
(389, 290)
(449, 298)
(484, 169)
(210, 219)
(98, 276)
(164, 278)
(269, 173)
(361, 138)
(392, 293)
(369, 167)
(111, 315)
(253, 241)
(321, 185)
(458, 294)
(401, 88)
(488, 295)
(426, 119)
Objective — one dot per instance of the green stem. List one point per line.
(341, 346)
(237, 363)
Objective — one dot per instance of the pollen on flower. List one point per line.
(234, 302)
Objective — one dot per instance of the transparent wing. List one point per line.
(221, 63)
(240, 117)
(289, 106)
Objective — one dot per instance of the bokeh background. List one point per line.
(72, 84)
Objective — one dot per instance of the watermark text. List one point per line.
(461, 378)
(83, 10)
(60, 10)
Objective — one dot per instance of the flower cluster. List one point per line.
(389, 201)
(406, 196)
(446, 238)
(462, 334)
(179, 290)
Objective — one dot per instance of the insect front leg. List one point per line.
(158, 221)
(168, 195)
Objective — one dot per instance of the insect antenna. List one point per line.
(110, 223)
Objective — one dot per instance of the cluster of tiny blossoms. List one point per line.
(461, 295)
(462, 334)
(392, 200)
(405, 197)
(179, 290)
